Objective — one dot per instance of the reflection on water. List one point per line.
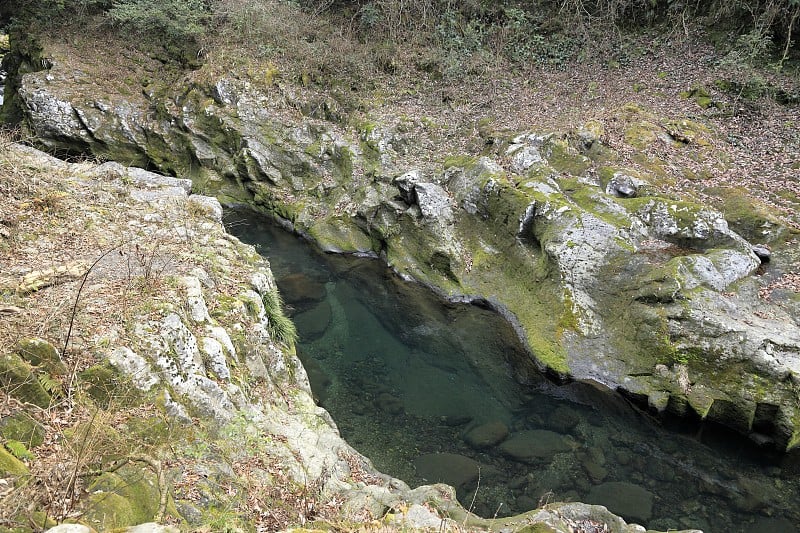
(432, 391)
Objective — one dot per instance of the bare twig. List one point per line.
(74, 312)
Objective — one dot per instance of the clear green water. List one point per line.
(406, 375)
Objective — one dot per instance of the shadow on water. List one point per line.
(432, 391)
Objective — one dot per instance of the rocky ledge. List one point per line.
(608, 272)
(175, 396)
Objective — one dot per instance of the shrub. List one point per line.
(174, 19)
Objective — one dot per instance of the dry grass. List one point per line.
(51, 216)
(300, 56)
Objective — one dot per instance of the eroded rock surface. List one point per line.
(605, 275)
(193, 394)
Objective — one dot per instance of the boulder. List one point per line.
(630, 501)
(450, 468)
(486, 435)
(534, 445)
(434, 202)
(19, 377)
(313, 323)
(10, 465)
(622, 185)
(563, 419)
(41, 353)
(300, 290)
(23, 428)
(389, 403)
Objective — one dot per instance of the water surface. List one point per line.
(413, 382)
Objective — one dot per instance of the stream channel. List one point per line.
(434, 391)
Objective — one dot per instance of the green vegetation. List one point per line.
(438, 36)
(281, 327)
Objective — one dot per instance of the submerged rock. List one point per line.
(453, 469)
(314, 322)
(300, 290)
(534, 445)
(486, 435)
(630, 501)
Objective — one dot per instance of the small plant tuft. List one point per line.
(280, 326)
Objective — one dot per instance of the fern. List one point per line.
(19, 450)
(51, 385)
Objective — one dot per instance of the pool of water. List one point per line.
(434, 391)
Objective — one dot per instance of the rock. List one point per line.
(534, 445)
(135, 367)
(41, 353)
(127, 497)
(622, 185)
(563, 419)
(214, 358)
(596, 472)
(40, 279)
(10, 465)
(18, 377)
(389, 403)
(455, 420)
(71, 528)
(771, 525)
(206, 206)
(221, 336)
(763, 252)
(194, 298)
(313, 323)
(300, 290)
(486, 435)
(449, 468)
(23, 428)
(406, 183)
(180, 358)
(434, 202)
(630, 501)
(418, 517)
(262, 282)
(318, 379)
(524, 152)
(755, 494)
(151, 527)
(145, 179)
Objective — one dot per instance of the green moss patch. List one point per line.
(745, 215)
(340, 234)
(41, 353)
(18, 378)
(106, 386)
(128, 496)
(23, 428)
(10, 465)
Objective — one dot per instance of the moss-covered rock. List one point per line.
(10, 465)
(747, 216)
(18, 377)
(23, 428)
(342, 235)
(127, 497)
(105, 385)
(41, 353)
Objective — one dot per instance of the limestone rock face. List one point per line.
(603, 274)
